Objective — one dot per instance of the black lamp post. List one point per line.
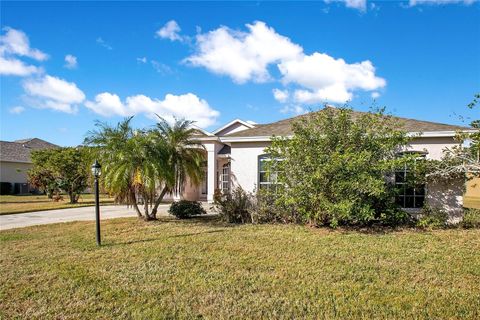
(97, 171)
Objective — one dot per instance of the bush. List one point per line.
(471, 219)
(235, 206)
(333, 170)
(185, 209)
(5, 188)
(432, 218)
(265, 209)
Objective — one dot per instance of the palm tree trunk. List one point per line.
(158, 201)
(133, 199)
(148, 217)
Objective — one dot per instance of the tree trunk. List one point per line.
(145, 205)
(133, 199)
(157, 202)
(72, 197)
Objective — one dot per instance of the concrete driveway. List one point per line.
(19, 220)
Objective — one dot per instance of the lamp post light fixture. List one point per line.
(97, 171)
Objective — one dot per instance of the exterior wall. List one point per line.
(434, 146)
(14, 172)
(244, 168)
(448, 197)
(244, 163)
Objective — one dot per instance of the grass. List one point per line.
(29, 203)
(202, 268)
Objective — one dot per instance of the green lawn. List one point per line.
(203, 268)
(29, 203)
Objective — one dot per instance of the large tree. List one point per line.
(61, 169)
(126, 170)
(333, 169)
(184, 156)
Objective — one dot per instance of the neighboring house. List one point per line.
(15, 161)
(236, 151)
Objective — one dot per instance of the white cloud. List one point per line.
(15, 67)
(280, 95)
(16, 42)
(170, 31)
(70, 61)
(142, 60)
(375, 95)
(16, 110)
(187, 106)
(13, 44)
(354, 4)
(54, 93)
(103, 43)
(246, 56)
(440, 2)
(293, 109)
(243, 56)
(328, 79)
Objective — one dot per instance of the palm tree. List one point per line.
(128, 170)
(183, 156)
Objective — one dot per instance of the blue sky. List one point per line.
(216, 61)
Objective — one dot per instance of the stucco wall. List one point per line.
(244, 163)
(448, 197)
(434, 146)
(14, 172)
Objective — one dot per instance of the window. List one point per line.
(267, 179)
(225, 178)
(409, 193)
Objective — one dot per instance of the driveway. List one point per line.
(19, 220)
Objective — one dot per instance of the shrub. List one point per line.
(185, 209)
(234, 206)
(265, 209)
(432, 218)
(333, 170)
(471, 219)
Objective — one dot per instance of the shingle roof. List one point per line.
(284, 127)
(19, 150)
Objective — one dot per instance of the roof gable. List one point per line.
(233, 126)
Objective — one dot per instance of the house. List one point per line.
(235, 152)
(15, 161)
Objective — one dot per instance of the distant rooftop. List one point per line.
(19, 150)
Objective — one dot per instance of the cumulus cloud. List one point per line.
(70, 61)
(328, 79)
(16, 110)
(440, 2)
(243, 56)
(187, 106)
(14, 44)
(280, 95)
(15, 67)
(354, 4)
(142, 60)
(54, 93)
(247, 56)
(170, 31)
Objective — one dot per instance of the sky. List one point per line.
(66, 65)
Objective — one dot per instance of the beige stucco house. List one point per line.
(15, 161)
(235, 151)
